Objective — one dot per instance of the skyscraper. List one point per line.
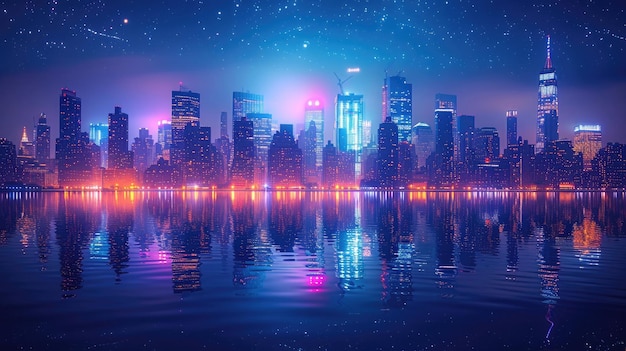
(164, 139)
(143, 151)
(99, 135)
(224, 124)
(465, 128)
(284, 159)
(27, 148)
(314, 112)
(72, 145)
(388, 153)
(262, 124)
(424, 142)
(119, 156)
(511, 127)
(547, 105)
(349, 127)
(185, 110)
(244, 103)
(398, 104)
(242, 172)
(588, 141)
(443, 162)
(8, 162)
(42, 140)
(486, 144)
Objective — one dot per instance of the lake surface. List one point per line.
(313, 271)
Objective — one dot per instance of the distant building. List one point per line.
(314, 112)
(8, 162)
(547, 105)
(511, 127)
(398, 104)
(185, 110)
(42, 140)
(203, 165)
(558, 165)
(442, 161)
(330, 163)
(486, 144)
(143, 151)
(119, 156)
(588, 141)
(162, 175)
(307, 142)
(242, 171)
(610, 166)
(164, 139)
(388, 154)
(284, 160)
(424, 143)
(262, 125)
(99, 135)
(466, 131)
(244, 103)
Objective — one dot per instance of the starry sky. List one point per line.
(134, 53)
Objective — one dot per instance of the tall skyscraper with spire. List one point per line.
(547, 105)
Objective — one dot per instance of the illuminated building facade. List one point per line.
(314, 112)
(262, 132)
(388, 153)
(185, 110)
(466, 131)
(610, 166)
(99, 135)
(329, 166)
(307, 142)
(547, 105)
(284, 160)
(398, 104)
(559, 165)
(486, 144)
(42, 140)
(445, 103)
(424, 143)
(244, 103)
(442, 166)
(143, 151)
(242, 171)
(588, 141)
(164, 139)
(27, 148)
(203, 165)
(349, 126)
(511, 127)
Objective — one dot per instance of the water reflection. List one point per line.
(403, 249)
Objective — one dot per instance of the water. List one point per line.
(313, 271)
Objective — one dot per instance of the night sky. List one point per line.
(488, 53)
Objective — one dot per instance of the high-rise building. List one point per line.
(203, 164)
(559, 165)
(119, 156)
(547, 105)
(242, 170)
(143, 151)
(42, 140)
(349, 127)
(164, 139)
(329, 166)
(511, 127)
(442, 169)
(307, 142)
(388, 153)
(244, 103)
(8, 162)
(72, 146)
(448, 103)
(465, 128)
(610, 166)
(424, 143)
(486, 144)
(314, 112)
(262, 123)
(99, 135)
(284, 160)
(588, 141)
(185, 110)
(27, 148)
(224, 124)
(398, 104)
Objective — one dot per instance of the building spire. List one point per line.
(548, 59)
(24, 136)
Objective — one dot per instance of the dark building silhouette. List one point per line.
(162, 175)
(511, 127)
(119, 156)
(143, 151)
(424, 143)
(442, 161)
(307, 142)
(8, 162)
(609, 166)
(203, 164)
(242, 171)
(558, 165)
(42, 140)
(406, 164)
(465, 128)
(284, 159)
(330, 163)
(388, 154)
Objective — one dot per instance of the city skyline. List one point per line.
(493, 69)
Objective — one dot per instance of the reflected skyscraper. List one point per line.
(547, 105)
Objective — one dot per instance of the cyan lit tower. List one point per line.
(349, 126)
(164, 139)
(314, 112)
(511, 127)
(398, 104)
(185, 110)
(119, 156)
(42, 140)
(244, 103)
(547, 105)
(588, 141)
(99, 135)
